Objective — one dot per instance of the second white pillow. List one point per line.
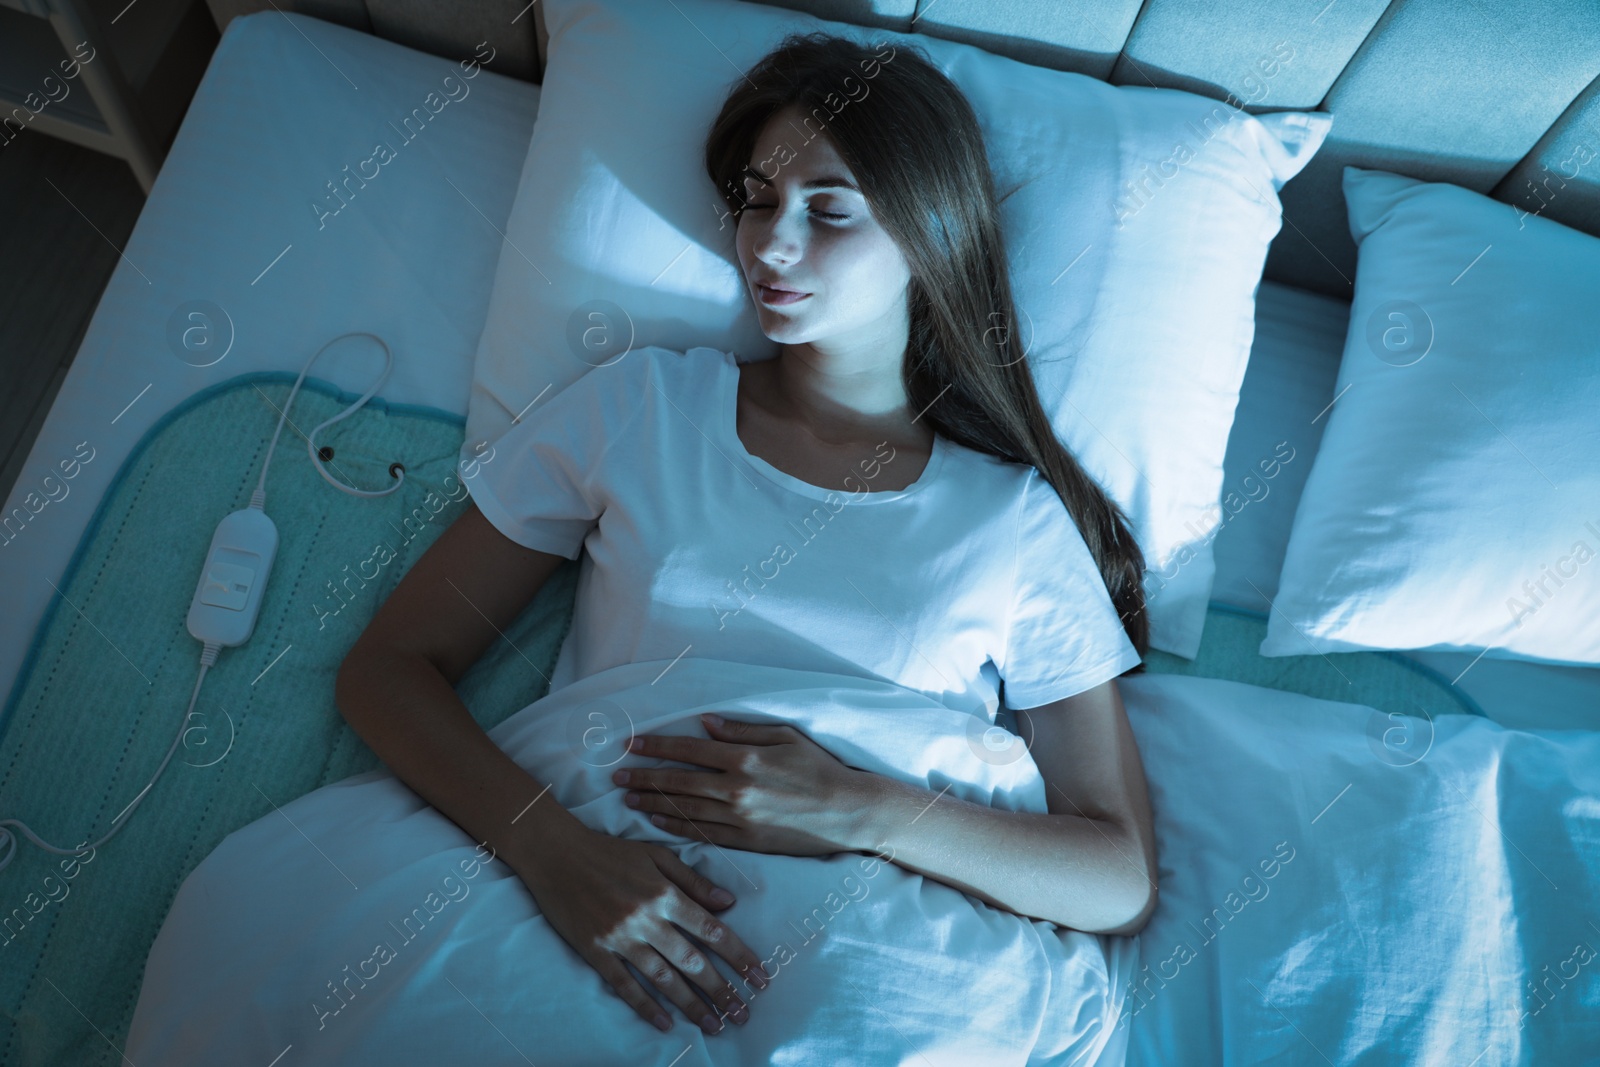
(1454, 503)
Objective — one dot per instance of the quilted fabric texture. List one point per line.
(113, 666)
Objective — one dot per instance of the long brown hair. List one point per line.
(914, 145)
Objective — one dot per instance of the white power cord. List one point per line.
(260, 496)
(228, 598)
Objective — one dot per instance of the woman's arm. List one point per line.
(1088, 864)
(612, 900)
(396, 686)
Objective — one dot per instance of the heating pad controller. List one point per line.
(228, 598)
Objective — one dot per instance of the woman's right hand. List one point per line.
(615, 899)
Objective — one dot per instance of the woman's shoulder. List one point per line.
(1018, 491)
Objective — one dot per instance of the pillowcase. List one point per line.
(1137, 231)
(1454, 502)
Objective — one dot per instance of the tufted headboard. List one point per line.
(1497, 97)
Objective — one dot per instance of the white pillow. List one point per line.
(1454, 502)
(1140, 304)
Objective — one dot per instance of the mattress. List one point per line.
(246, 259)
(261, 240)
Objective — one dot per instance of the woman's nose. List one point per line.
(779, 241)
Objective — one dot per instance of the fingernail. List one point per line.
(621, 777)
(740, 1014)
(709, 1024)
(632, 800)
(714, 720)
(663, 1023)
(722, 896)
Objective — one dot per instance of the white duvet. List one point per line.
(1343, 885)
(1339, 885)
(360, 925)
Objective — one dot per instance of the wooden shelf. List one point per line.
(145, 60)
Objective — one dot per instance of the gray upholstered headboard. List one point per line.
(1499, 97)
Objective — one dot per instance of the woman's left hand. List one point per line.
(770, 788)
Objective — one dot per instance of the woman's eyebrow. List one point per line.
(826, 181)
(830, 181)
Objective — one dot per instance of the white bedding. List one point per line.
(287, 102)
(1419, 879)
(871, 962)
(1333, 881)
(1403, 889)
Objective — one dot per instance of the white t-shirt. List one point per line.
(973, 575)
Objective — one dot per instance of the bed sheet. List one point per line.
(1284, 405)
(279, 223)
(1342, 886)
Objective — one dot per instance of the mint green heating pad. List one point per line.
(99, 697)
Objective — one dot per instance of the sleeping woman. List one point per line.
(885, 507)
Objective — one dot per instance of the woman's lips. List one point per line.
(778, 297)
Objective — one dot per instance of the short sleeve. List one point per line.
(1064, 635)
(536, 483)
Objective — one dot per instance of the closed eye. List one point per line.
(836, 216)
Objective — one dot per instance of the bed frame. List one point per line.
(1503, 99)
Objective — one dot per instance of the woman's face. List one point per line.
(808, 230)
